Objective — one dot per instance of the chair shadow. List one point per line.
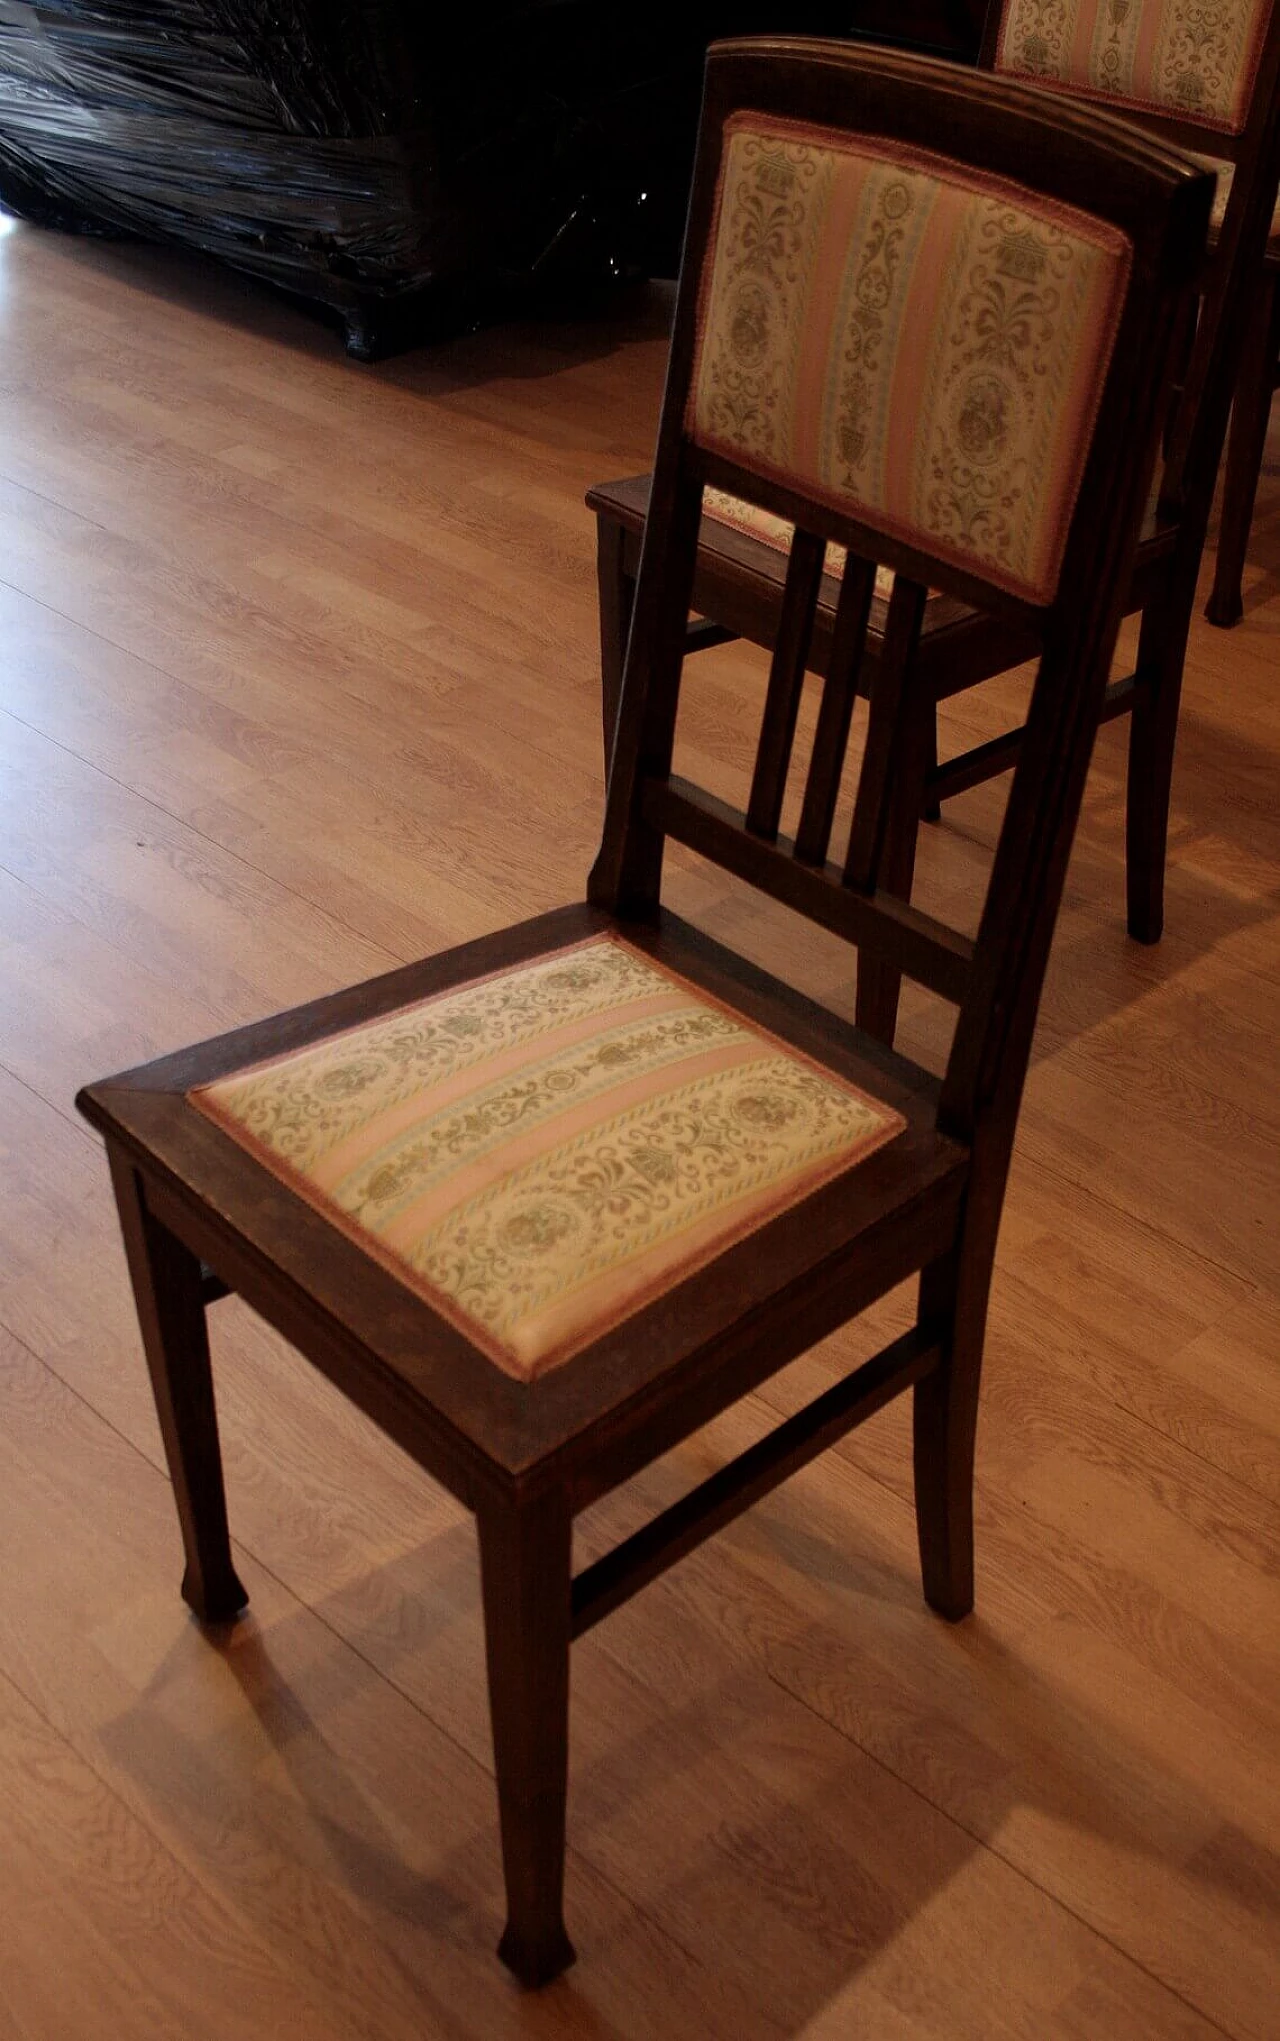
(1223, 797)
(737, 1818)
(777, 1966)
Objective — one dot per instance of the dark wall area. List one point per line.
(399, 162)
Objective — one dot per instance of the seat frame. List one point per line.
(738, 584)
(201, 1217)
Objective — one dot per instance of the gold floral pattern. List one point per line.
(539, 1151)
(519, 1256)
(303, 1106)
(1193, 58)
(869, 335)
(934, 347)
(440, 1142)
(987, 434)
(767, 257)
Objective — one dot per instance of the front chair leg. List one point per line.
(945, 1426)
(167, 1288)
(930, 805)
(525, 1552)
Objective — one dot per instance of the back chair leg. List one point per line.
(1153, 730)
(945, 1427)
(930, 805)
(879, 984)
(168, 1289)
(525, 1553)
(617, 596)
(1245, 446)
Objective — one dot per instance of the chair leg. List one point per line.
(617, 595)
(167, 1289)
(930, 805)
(945, 1427)
(1245, 445)
(524, 1566)
(1153, 730)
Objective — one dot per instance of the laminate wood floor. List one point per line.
(299, 680)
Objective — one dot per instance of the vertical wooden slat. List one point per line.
(786, 679)
(891, 709)
(848, 643)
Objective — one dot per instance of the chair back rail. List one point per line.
(1130, 192)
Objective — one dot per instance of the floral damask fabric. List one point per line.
(1196, 59)
(919, 347)
(539, 1152)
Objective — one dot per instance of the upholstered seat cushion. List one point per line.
(759, 523)
(541, 1151)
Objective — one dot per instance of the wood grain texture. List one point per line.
(275, 629)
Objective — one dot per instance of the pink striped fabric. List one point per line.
(908, 342)
(1196, 59)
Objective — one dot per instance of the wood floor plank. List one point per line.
(758, 1815)
(315, 1804)
(1096, 1785)
(105, 1932)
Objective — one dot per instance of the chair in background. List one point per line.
(545, 1204)
(1210, 85)
(1162, 59)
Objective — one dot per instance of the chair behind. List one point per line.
(737, 588)
(796, 344)
(1203, 75)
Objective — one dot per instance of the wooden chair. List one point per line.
(545, 1204)
(1193, 52)
(1217, 96)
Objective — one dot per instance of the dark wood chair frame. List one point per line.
(526, 1458)
(1256, 385)
(738, 586)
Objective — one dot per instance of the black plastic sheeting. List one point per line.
(395, 162)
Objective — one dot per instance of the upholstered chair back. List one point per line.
(1191, 60)
(912, 342)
